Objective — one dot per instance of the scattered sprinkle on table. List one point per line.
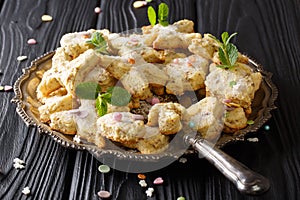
(76, 139)
(47, 18)
(253, 139)
(31, 41)
(104, 168)
(180, 198)
(267, 127)
(21, 58)
(97, 10)
(104, 194)
(143, 183)
(158, 181)
(6, 88)
(26, 190)
(149, 192)
(19, 164)
(141, 176)
(182, 160)
(138, 4)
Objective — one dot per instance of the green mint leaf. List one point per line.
(163, 13)
(151, 15)
(101, 106)
(106, 96)
(232, 83)
(119, 96)
(225, 37)
(88, 90)
(163, 23)
(99, 43)
(222, 56)
(233, 53)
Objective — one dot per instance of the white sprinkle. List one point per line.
(97, 10)
(138, 4)
(31, 41)
(19, 164)
(21, 58)
(26, 190)
(7, 88)
(149, 192)
(253, 139)
(143, 183)
(183, 160)
(47, 18)
(76, 139)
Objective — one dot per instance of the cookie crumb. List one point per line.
(149, 192)
(26, 190)
(253, 139)
(143, 183)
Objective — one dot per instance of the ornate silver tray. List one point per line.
(27, 103)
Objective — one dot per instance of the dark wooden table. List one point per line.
(268, 31)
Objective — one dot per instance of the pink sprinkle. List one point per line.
(31, 41)
(117, 116)
(154, 100)
(227, 100)
(97, 10)
(7, 88)
(192, 59)
(138, 117)
(158, 181)
(103, 194)
(176, 61)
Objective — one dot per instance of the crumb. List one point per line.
(76, 139)
(143, 183)
(149, 192)
(19, 164)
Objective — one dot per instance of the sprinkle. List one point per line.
(7, 88)
(117, 116)
(148, 1)
(26, 190)
(31, 41)
(232, 83)
(149, 192)
(1, 72)
(192, 124)
(18, 164)
(253, 139)
(176, 61)
(104, 168)
(158, 181)
(138, 4)
(76, 139)
(1, 88)
(180, 198)
(154, 100)
(21, 58)
(97, 10)
(267, 127)
(47, 18)
(143, 183)
(182, 160)
(104, 194)
(141, 176)
(250, 122)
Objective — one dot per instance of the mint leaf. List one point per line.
(119, 96)
(163, 13)
(101, 106)
(224, 37)
(99, 43)
(228, 52)
(232, 53)
(87, 90)
(151, 15)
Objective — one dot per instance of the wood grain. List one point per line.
(268, 31)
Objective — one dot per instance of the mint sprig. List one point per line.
(87, 90)
(99, 43)
(228, 52)
(162, 15)
(116, 96)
